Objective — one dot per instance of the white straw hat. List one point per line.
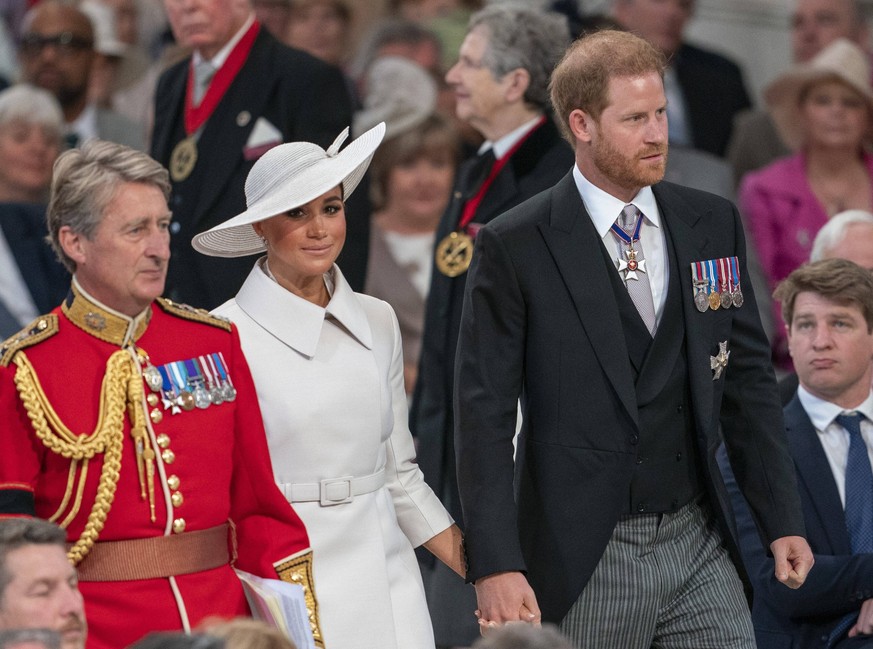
(842, 61)
(288, 176)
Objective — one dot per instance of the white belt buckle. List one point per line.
(335, 491)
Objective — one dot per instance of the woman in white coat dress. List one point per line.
(328, 368)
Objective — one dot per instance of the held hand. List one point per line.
(864, 625)
(505, 597)
(793, 560)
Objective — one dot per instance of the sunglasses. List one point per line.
(66, 43)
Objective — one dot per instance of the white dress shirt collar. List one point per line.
(503, 145)
(822, 413)
(605, 208)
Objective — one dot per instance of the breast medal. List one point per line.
(454, 254)
(723, 277)
(714, 297)
(736, 293)
(700, 282)
(630, 266)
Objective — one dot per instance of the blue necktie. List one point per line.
(859, 487)
(859, 504)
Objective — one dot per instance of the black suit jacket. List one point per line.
(302, 97)
(541, 321)
(24, 229)
(838, 583)
(714, 92)
(539, 163)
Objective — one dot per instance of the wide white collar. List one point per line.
(296, 321)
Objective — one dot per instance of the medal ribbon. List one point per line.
(196, 116)
(179, 380)
(724, 275)
(713, 276)
(700, 272)
(193, 370)
(223, 368)
(472, 205)
(624, 236)
(206, 372)
(735, 274)
(165, 377)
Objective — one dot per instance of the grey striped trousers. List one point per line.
(664, 581)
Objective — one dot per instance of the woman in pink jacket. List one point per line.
(824, 110)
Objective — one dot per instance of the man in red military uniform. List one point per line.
(133, 422)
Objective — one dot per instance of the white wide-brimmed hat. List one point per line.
(288, 176)
(842, 61)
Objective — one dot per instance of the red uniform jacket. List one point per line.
(211, 464)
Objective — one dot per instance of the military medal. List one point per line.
(454, 254)
(183, 159)
(718, 363)
(213, 386)
(701, 283)
(201, 395)
(170, 397)
(724, 276)
(736, 293)
(227, 389)
(150, 373)
(714, 298)
(630, 266)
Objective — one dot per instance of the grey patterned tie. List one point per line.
(203, 73)
(639, 289)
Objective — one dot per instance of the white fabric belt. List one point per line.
(333, 491)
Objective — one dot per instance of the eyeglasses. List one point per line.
(66, 44)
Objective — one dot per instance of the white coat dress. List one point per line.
(330, 386)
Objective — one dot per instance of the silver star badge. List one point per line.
(719, 363)
(632, 265)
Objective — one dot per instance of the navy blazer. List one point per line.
(24, 229)
(838, 583)
(541, 323)
(300, 96)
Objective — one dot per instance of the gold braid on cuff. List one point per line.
(298, 570)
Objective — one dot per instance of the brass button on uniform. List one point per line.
(156, 416)
(163, 440)
(168, 456)
(153, 399)
(173, 482)
(179, 525)
(177, 499)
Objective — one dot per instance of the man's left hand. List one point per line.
(793, 559)
(864, 625)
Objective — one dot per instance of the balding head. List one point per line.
(815, 24)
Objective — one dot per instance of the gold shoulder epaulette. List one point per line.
(45, 326)
(195, 314)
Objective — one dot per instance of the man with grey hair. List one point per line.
(501, 89)
(134, 422)
(848, 235)
(38, 584)
(815, 24)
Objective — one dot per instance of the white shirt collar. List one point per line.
(85, 125)
(604, 208)
(503, 145)
(218, 60)
(822, 413)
